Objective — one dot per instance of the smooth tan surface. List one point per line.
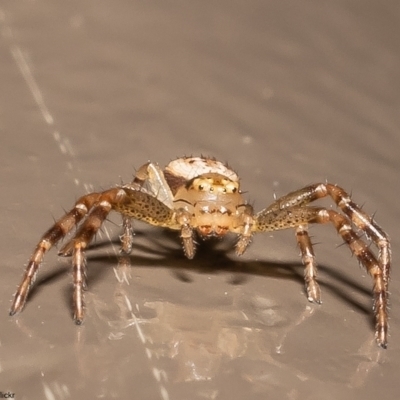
(289, 93)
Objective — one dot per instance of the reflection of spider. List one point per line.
(201, 195)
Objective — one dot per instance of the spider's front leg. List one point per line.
(310, 264)
(357, 216)
(58, 231)
(127, 235)
(78, 244)
(144, 207)
(131, 203)
(275, 218)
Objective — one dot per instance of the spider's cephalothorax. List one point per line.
(202, 195)
(212, 201)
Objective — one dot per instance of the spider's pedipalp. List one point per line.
(189, 246)
(245, 228)
(183, 218)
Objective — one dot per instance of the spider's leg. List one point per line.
(299, 197)
(293, 217)
(81, 241)
(310, 264)
(379, 270)
(61, 228)
(358, 217)
(145, 207)
(79, 281)
(127, 235)
(361, 250)
(365, 223)
(150, 179)
(273, 219)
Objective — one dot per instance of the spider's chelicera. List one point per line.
(197, 195)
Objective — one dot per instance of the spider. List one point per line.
(199, 196)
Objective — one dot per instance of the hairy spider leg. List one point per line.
(127, 235)
(292, 216)
(298, 198)
(310, 264)
(274, 218)
(58, 231)
(358, 217)
(380, 269)
(81, 241)
(374, 269)
(365, 223)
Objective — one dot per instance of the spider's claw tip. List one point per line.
(382, 344)
(381, 337)
(314, 301)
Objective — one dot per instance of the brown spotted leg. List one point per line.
(380, 272)
(308, 258)
(365, 223)
(127, 235)
(126, 244)
(273, 218)
(358, 217)
(371, 264)
(61, 228)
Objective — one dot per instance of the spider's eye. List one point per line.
(231, 187)
(211, 189)
(201, 187)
